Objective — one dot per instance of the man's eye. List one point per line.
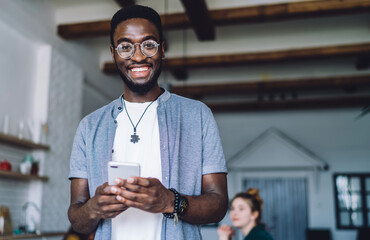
(149, 45)
(125, 48)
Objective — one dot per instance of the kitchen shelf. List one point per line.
(20, 176)
(21, 143)
(30, 236)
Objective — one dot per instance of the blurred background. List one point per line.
(288, 83)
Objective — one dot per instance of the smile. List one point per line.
(140, 69)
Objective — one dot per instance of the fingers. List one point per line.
(115, 211)
(133, 202)
(225, 231)
(144, 193)
(104, 203)
(140, 202)
(225, 228)
(106, 189)
(140, 181)
(138, 184)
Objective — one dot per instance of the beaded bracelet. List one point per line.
(176, 207)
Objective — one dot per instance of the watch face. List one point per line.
(183, 205)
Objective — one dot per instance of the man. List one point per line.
(175, 140)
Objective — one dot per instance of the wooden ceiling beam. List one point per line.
(222, 17)
(347, 83)
(259, 57)
(304, 104)
(125, 3)
(200, 19)
(265, 57)
(288, 11)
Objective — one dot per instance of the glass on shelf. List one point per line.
(21, 130)
(5, 128)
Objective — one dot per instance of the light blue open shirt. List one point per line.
(190, 148)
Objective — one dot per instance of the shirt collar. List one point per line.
(118, 105)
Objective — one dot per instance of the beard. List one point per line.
(144, 88)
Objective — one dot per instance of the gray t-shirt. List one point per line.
(190, 148)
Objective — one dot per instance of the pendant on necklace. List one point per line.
(135, 138)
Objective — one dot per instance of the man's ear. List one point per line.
(112, 51)
(163, 45)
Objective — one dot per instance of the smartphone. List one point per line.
(122, 170)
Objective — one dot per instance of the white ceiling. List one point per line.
(79, 10)
(229, 39)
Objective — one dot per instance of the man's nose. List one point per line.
(138, 55)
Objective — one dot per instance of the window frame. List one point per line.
(364, 209)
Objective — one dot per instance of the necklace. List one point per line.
(135, 138)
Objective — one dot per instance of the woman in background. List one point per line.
(245, 214)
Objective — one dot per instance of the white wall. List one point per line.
(18, 61)
(64, 112)
(336, 136)
(41, 78)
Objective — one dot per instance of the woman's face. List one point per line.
(241, 214)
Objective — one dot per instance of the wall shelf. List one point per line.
(30, 236)
(21, 143)
(20, 176)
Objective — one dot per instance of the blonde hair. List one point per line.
(254, 201)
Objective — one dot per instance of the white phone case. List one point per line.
(122, 170)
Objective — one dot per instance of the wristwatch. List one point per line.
(183, 205)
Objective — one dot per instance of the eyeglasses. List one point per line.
(148, 48)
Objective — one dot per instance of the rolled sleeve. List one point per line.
(213, 156)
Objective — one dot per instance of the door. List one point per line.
(284, 205)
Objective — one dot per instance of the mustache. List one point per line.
(141, 64)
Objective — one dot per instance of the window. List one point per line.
(352, 200)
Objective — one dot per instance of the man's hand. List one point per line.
(104, 203)
(150, 195)
(147, 194)
(85, 213)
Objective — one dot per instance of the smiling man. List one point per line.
(174, 139)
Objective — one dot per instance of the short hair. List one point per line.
(135, 11)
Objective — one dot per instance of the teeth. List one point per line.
(139, 69)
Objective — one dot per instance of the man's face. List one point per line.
(139, 73)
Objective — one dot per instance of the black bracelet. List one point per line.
(176, 205)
